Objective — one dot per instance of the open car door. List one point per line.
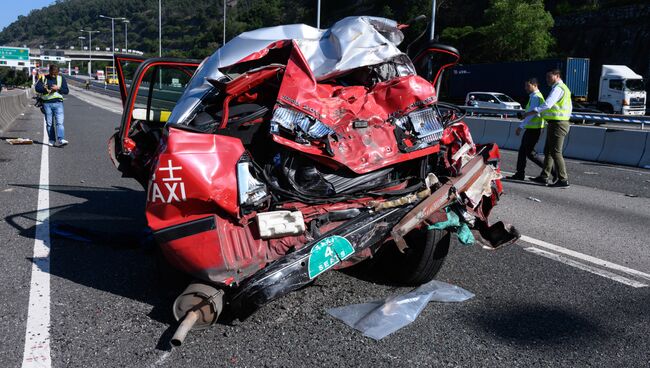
(126, 66)
(149, 97)
(432, 59)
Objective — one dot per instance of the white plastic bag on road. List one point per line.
(381, 318)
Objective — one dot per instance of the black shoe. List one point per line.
(540, 180)
(516, 177)
(560, 184)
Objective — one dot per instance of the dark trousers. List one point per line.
(553, 159)
(527, 150)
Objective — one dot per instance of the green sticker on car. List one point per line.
(327, 253)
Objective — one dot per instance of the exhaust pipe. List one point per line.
(198, 307)
(188, 322)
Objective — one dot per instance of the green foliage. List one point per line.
(509, 29)
(518, 30)
(190, 28)
(513, 30)
(14, 77)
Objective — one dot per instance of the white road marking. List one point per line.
(585, 257)
(585, 267)
(37, 335)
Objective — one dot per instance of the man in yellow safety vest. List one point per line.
(556, 111)
(52, 87)
(532, 126)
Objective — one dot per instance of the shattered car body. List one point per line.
(293, 151)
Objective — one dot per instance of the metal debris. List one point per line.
(534, 199)
(631, 195)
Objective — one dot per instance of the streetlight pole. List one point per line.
(159, 28)
(113, 32)
(318, 16)
(126, 34)
(224, 23)
(90, 50)
(433, 20)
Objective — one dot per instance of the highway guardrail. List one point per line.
(583, 116)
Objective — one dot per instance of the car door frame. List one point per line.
(118, 59)
(125, 145)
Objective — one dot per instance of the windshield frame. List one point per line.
(640, 81)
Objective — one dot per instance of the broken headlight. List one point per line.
(424, 124)
(295, 121)
(252, 192)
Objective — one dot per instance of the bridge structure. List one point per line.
(67, 56)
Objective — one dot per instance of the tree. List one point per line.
(518, 30)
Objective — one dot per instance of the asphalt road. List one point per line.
(111, 300)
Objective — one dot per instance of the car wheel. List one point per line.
(421, 261)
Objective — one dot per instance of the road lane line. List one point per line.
(585, 267)
(585, 257)
(37, 335)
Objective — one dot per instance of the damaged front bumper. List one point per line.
(368, 230)
(468, 190)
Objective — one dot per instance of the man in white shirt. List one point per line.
(556, 111)
(532, 126)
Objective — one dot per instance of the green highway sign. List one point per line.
(14, 53)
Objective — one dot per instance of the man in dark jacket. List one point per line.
(52, 87)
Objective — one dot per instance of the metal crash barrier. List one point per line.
(576, 116)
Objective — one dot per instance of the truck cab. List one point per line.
(621, 91)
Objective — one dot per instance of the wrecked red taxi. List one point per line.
(292, 151)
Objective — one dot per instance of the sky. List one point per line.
(11, 9)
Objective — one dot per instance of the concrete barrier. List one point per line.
(476, 127)
(496, 131)
(539, 147)
(624, 147)
(514, 140)
(645, 158)
(584, 143)
(11, 106)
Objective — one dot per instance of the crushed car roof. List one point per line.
(350, 43)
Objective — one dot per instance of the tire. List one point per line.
(421, 261)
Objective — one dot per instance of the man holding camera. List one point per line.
(52, 87)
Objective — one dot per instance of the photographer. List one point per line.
(52, 87)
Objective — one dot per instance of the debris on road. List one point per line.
(20, 141)
(381, 318)
(631, 195)
(591, 173)
(534, 199)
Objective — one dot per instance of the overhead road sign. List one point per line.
(14, 56)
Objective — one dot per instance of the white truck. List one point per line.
(621, 91)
